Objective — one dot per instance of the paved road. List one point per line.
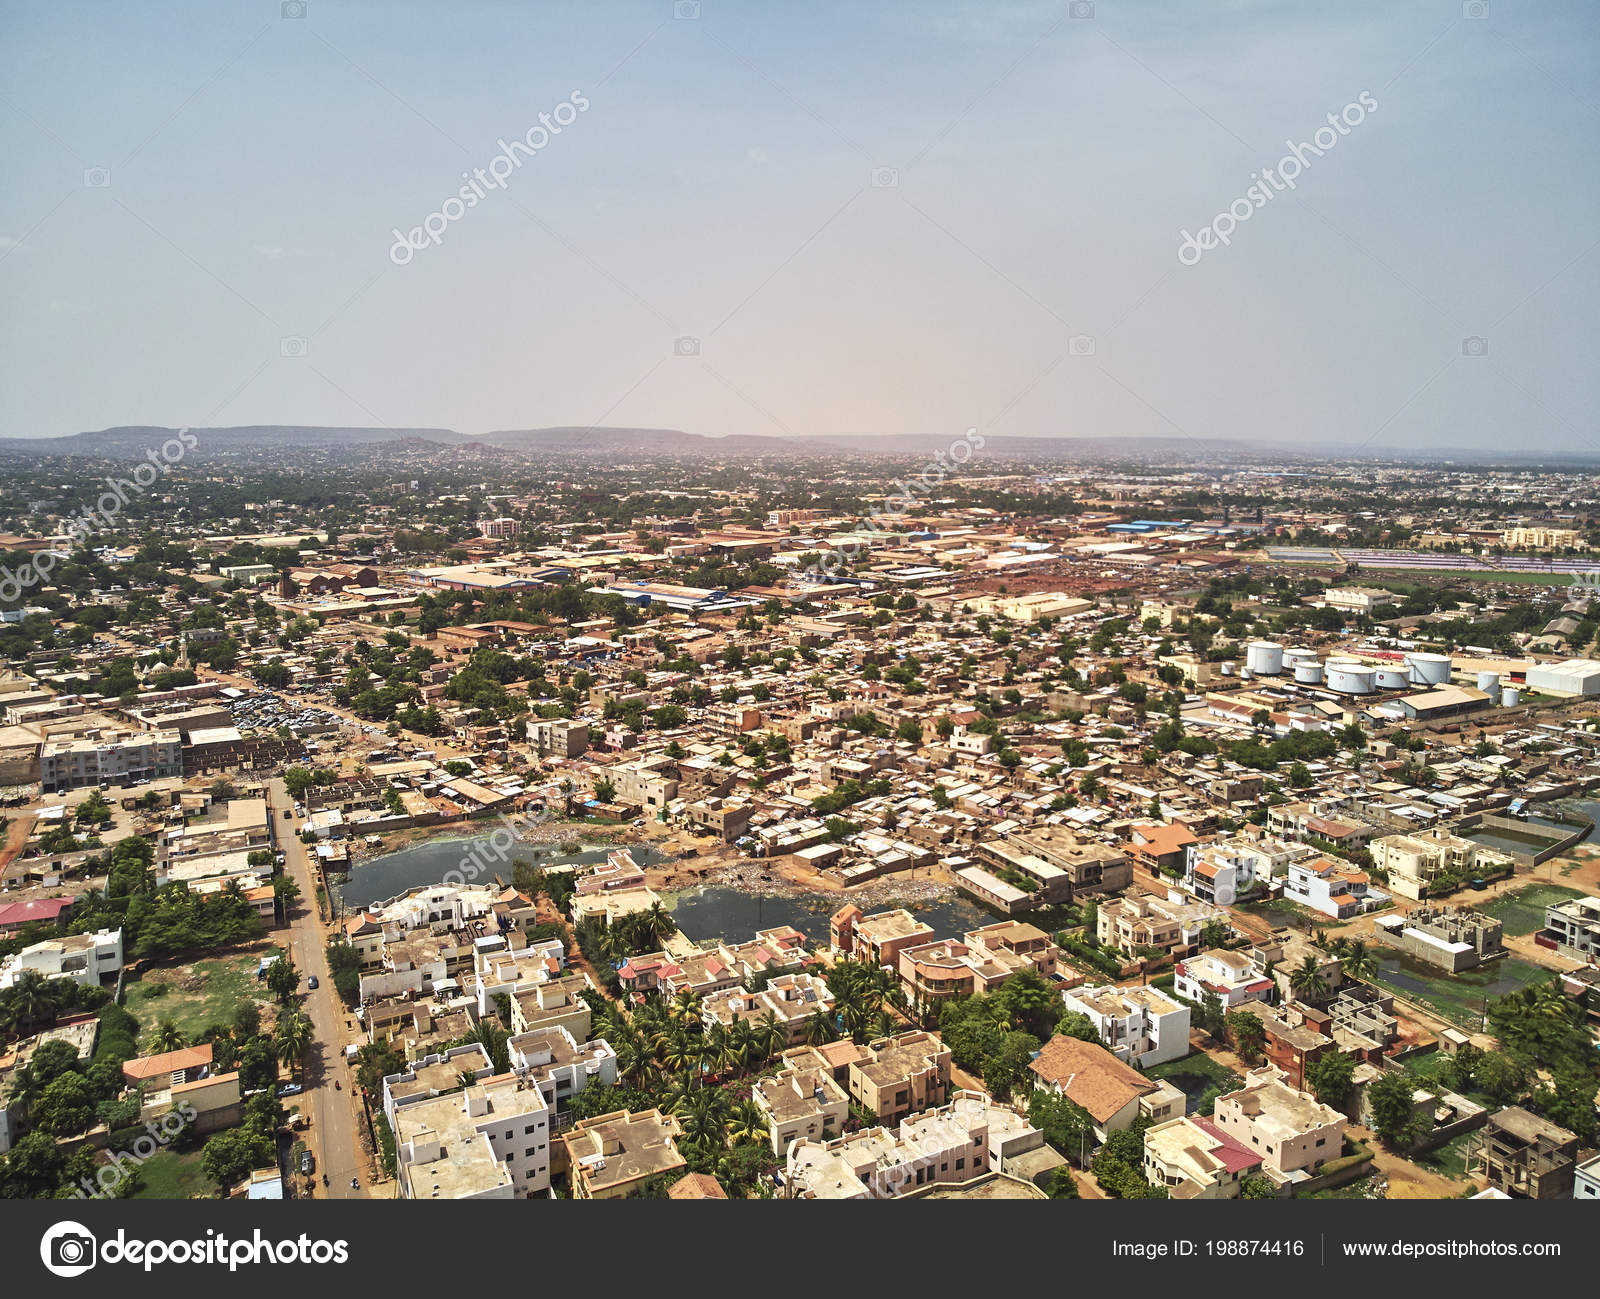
(335, 1115)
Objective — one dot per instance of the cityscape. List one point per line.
(755, 605)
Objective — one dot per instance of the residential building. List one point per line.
(877, 939)
(84, 958)
(970, 1137)
(1140, 1025)
(489, 1141)
(1294, 1133)
(1451, 938)
(1573, 928)
(787, 1002)
(1196, 1160)
(801, 1103)
(615, 1154)
(1167, 922)
(1526, 1156)
(1114, 1093)
(1414, 861)
(1233, 978)
(1334, 888)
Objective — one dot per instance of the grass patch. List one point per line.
(1458, 998)
(1450, 1159)
(1522, 912)
(196, 996)
(173, 1175)
(1194, 1075)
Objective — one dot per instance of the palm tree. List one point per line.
(660, 922)
(771, 1036)
(30, 1000)
(1357, 960)
(291, 1039)
(819, 1028)
(685, 1007)
(1306, 981)
(681, 1053)
(166, 1036)
(747, 1122)
(26, 1089)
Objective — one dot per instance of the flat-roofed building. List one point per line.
(801, 1103)
(1294, 1133)
(490, 1140)
(615, 1154)
(1141, 1025)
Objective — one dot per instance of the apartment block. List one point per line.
(1140, 1025)
(490, 1141)
(1233, 978)
(612, 1155)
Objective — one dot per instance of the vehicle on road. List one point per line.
(312, 982)
(290, 1089)
(288, 814)
(308, 1165)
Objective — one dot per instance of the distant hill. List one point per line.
(134, 441)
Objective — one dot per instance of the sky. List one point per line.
(824, 218)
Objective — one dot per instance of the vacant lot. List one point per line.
(171, 1175)
(1522, 912)
(197, 995)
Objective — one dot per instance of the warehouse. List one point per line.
(1572, 678)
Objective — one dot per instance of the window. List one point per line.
(961, 1163)
(530, 1130)
(528, 1153)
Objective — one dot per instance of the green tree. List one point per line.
(1395, 1118)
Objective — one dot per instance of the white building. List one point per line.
(109, 759)
(490, 1141)
(1233, 978)
(84, 958)
(1573, 677)
(1333, 888)
(1141, 1026)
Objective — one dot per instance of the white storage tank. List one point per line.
(1293, 658)
(1429, 669)
(1489, 683)
(1264, 657)
(1349, 677)
(1308, 672)
(1227, 669)
(1510, 697)
(1391, 678)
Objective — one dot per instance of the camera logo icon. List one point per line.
(293, 8)
(1474, 346)
(1475, 8)
(293, 346)
(684, 10)
(1081, 9)
(686, 346)
(1080, 345)
(885, 178)
(68, 1249)
(96, 178)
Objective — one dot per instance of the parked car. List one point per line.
(308, 1165)
(312, 982)
(290, 1089)
(288, 814)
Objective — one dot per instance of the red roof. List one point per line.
(27, 913)
(1235, 1156)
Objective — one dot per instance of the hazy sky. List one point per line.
(720, 187)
